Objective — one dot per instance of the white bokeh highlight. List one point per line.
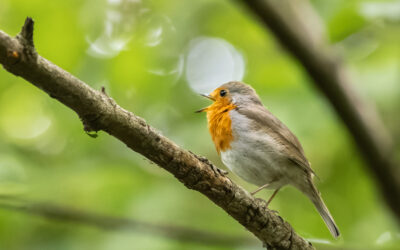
(211, 62)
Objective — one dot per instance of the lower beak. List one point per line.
(201, 110)
(208, 97)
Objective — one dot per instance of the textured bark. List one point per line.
(330, 77)
(100, 112)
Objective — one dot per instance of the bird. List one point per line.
(258, 147)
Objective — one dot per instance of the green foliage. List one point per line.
(46, 155)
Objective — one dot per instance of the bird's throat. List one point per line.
(220, 125)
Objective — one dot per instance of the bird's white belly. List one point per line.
(254, 156)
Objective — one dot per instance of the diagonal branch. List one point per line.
(68, 214)
(99, 112)
(330, 78)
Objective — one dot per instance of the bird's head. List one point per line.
(231, 93)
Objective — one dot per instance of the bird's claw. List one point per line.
(208, 162)
(274, 211)
(218, 170)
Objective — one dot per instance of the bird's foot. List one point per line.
(274, 211)
(218, 170)
(213, 167)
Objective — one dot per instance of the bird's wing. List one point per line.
(266, 121)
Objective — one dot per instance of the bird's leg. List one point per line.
(259, 189)
(272, 196)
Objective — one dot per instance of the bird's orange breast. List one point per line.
(220, 125)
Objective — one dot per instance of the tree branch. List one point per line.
(330, 78)
(68, 214)
(99, 112)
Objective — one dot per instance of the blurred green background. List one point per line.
(152, 57)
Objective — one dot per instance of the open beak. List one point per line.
(208, 97)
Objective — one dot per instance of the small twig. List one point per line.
(27, 31)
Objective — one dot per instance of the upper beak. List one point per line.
(205, 109)
(208, 96)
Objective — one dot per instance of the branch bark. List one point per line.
(100, 112)
(68, 214)
(330, 77)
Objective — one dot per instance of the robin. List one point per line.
(258, 147)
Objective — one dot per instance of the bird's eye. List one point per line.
(222, 93)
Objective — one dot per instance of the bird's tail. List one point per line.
(314, 195)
